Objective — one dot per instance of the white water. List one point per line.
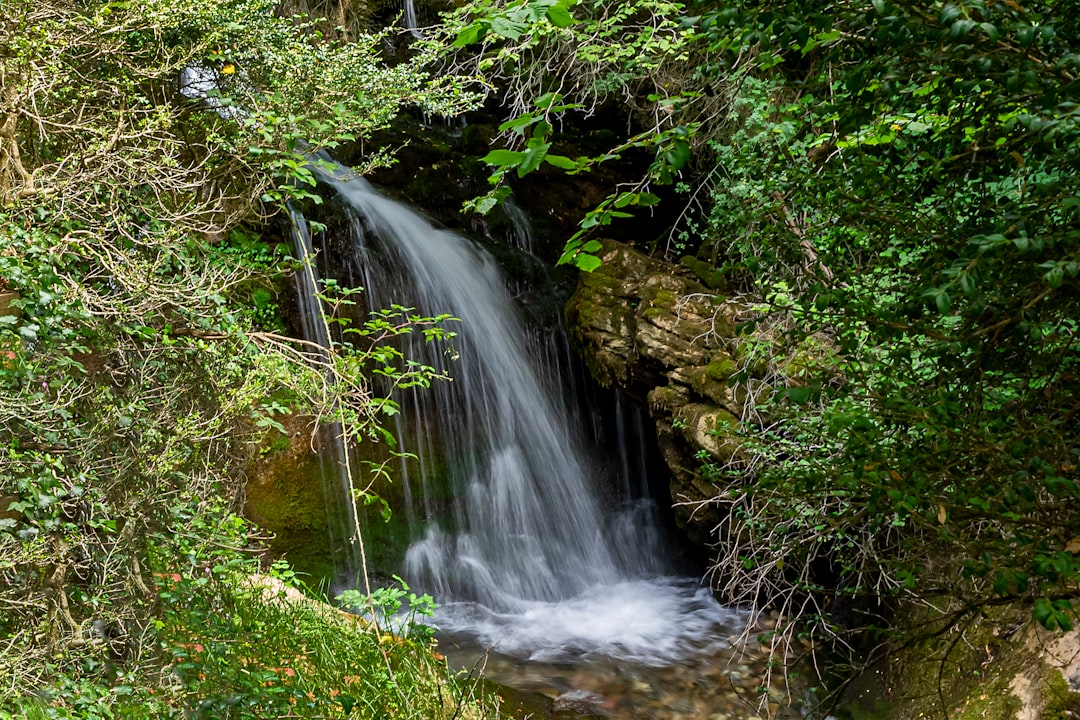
(514, 534)
(333, 459)
(410, 19)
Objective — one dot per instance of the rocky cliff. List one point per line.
(657, 333)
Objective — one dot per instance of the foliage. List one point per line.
(891, 189)
(244, 646)
(897, 183)
(552, 60)
(386, 605)
(235, 644)
(141, 144)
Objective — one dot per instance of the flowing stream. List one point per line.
(530, 549)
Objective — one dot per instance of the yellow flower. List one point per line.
(229, 69)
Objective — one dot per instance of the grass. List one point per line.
(228, 647)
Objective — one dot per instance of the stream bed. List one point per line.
(722, 685)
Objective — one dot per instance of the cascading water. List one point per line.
(410, 18)
(513, 536)
(334, 466)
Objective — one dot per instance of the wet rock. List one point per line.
(580, 702)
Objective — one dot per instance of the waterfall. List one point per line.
(521, 233)
(410, 18)
(512, 532)
(333, 459)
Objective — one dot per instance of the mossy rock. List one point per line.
(1003, 667)
(721, 367)
(706, 272)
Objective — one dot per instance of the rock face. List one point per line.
(663, 338)
(1000, 665)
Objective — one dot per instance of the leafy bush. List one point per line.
(137, 139)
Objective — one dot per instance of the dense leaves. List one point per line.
(902, 182)
(142, 144)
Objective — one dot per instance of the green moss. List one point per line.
(599, 280)
(982, 676)
(706, 272)
(1062, 703)
(723, 424)
(287, 498)
(275, 442)
(721, 368)
(989, 701)
(653, 312)
(660, 298)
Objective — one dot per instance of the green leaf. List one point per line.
(677, 154)
(1054, 277)
(533, 157)
(470, 34)
(507, 28)
(559, 16)
(561, 161)
(519, 124)
(547, 100)
(587, 263)
(504, 158)
(799, 395)
(486, 205)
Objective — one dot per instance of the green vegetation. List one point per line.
(143, 147)
(899, 188)
(891, 189)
